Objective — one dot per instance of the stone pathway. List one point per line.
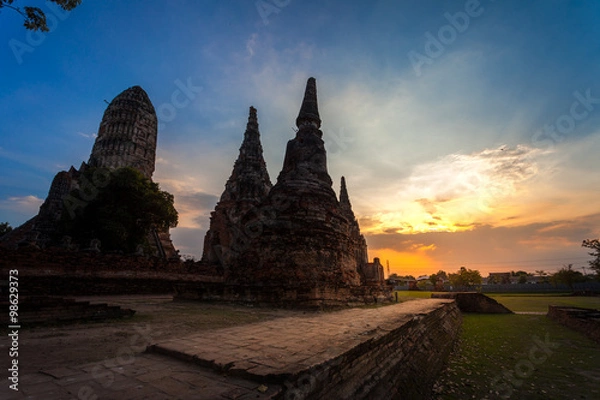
(146, 376)
(232, 363)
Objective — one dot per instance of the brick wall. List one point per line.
(403, 364)
(63, 273)
(472, 302)
(584, 320)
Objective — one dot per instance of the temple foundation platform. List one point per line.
(387, 352)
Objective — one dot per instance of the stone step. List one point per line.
(346, 354)
(50, 310)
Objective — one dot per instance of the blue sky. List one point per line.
(478, 147)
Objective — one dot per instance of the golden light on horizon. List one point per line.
(406, 263)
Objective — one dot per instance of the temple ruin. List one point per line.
(126, 138)
(294, 241)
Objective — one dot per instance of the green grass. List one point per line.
(404, 295)
(540, 303)
(533, 302)
(499, 356)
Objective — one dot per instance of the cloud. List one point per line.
(251, 44)
(529, 247)
(23, 206)
(420, 155)
(194, 208)
(188, 241)
(456, 191)
(91, 136)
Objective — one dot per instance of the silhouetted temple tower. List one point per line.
(127, 134)
(249, 179)
(126, 138)
(306, 239)
(246, 188)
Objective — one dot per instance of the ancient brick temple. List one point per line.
(126, 138)
(296, 235)
(127, 134)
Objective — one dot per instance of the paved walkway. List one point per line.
(232, 363)
(145, 376)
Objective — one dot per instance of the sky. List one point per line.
(468, 131)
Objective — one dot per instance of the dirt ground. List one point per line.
(157, 318)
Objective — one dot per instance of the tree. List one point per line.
(466, 278)
(122, 213)
(35, 18)
(422, 285)
(543, 275)
(568, 276)
(5, 228)
(437, 280)
(593, 244)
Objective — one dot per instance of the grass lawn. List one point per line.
(511, 356)
(522, 302)
(520, 357)
(537, 302)
(404, 295)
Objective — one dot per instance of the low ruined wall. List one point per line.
(403, 364)
(389, 352)
(59, 272)
(584, 320)
(472, 302)
(283, 296)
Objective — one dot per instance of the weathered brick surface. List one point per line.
(282, 295)
(296, 235)
(126, 138)
(56, 271)
(584, 320)
(44, 310)
(391, 352)
(384, 353)
(472, 302)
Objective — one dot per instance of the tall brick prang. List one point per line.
(126, 138)
(127, 134)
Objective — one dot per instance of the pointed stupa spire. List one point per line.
(309, 111)
(252, 125)
(344, 198)
(250, 178)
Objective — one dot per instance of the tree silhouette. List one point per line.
(122, 213)
(466, 278)
(568, 276)
(35, 18)
(593, 244)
